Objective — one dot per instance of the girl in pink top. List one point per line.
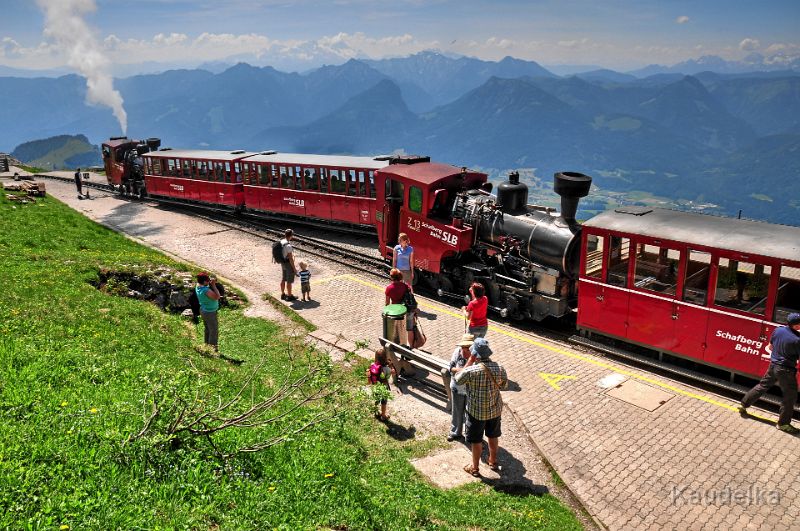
(476, 310)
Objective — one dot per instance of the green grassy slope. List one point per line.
(76, 369)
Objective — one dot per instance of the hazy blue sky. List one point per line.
(620, 34)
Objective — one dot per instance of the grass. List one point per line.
(76, 370)
(289, 313)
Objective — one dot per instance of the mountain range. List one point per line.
(693, 138)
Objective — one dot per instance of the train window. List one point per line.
(788, 299)
(286, 178)
(323, 180)
(298, 181)
(415, 199)
(352, 187)
(618, 258)
(311, 180)
(170, 167)
(263, 174)
(742, 285)
(372, 184)
(237, 172)
(218, 173)
(695, 280)
(593, 267)
(337, 181)
(274, 172)
(203, 170)
(656, 268)
(227, 172)
(362, 184)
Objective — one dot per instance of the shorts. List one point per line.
(406, 276)
(478, 331)
(475, 428)
(305, 287)
(409, 321)
(288, 273)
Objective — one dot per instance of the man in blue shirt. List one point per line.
(208, 296)
(784, 349)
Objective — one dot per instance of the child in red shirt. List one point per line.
(476, 310)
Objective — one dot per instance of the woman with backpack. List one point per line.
(398, 292)
(379, 373)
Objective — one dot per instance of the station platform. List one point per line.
(640, 451)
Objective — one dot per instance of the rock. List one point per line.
(178, 300)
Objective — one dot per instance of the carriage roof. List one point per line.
(743, 235)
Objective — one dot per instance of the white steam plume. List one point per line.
(64, 22)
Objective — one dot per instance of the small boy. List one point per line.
(305, 281)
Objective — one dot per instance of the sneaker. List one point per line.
(290, 298)
(788, 428)
(451, 437)
(743, 412)
(283, 296)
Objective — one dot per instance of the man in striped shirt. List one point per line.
(484, 379)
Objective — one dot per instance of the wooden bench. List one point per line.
(404, 360)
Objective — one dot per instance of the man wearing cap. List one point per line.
(458, 393)
(784, 349)
(483, 379)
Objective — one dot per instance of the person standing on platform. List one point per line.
(476, 310)
(208, 297)
(458, 393)
(484, 380)
(305, 281)
(403, 258)
(79, 183)
(784, 350)
(395, 294)
(288, 269)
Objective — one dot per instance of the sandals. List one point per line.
(472, 471)
(494, 467)
(384, 418)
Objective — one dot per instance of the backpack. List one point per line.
(409, 300)
(375, 373)
(277, 252)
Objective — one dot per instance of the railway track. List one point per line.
(348, 254)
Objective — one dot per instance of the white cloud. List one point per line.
(9, 47)
(683, 19)
(748, 45)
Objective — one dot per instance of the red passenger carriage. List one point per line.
(198, 176)
(324, 187)
(701, 287)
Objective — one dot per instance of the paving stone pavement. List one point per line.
(692, 463)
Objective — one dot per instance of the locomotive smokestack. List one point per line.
(571, 187)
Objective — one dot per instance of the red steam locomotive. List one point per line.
(700, 287)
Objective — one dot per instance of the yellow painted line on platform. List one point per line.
(586, 359)
(329, 279)
(553, 379)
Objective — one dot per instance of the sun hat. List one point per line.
(793, 319)
(480, 348)
(466, 340)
